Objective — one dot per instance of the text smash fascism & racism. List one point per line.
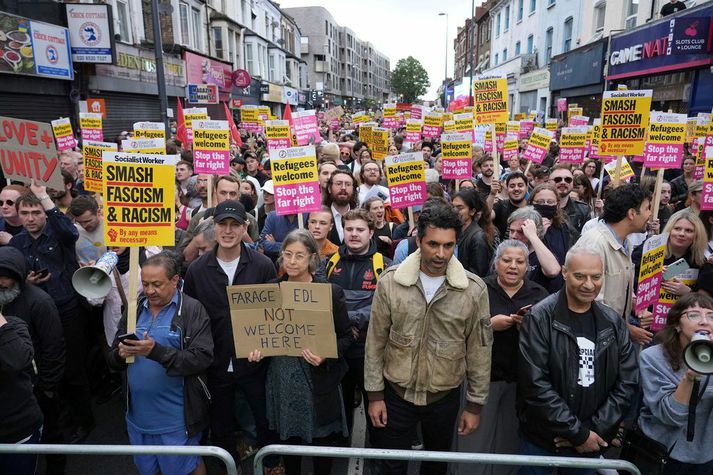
(121, 194)
(622, 112)
(488, 97)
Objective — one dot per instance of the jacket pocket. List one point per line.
(446, 363)
(398, 358)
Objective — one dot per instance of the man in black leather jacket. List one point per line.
(578, 373)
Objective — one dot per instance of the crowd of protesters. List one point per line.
(500, 319)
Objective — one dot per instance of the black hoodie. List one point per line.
(38, 310)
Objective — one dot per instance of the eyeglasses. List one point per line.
(545, 202)
(559, 179)
(298, 257)
(9, 202)
(695, 316)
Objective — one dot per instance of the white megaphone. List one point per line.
(698, 354)
(93, 282)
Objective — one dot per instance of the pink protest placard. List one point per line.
(538, 145)
(211, 147)
(562, 104)
(406, 176)
(650, 271)
(573, 144)
(664, 147)
(457, 156)
(90, 125)
(416, 112)
(577, 120)
(511, 147)
(304, 124)
(294, 174)
(526, 128)
(707, 197)
(63, 134)
(277, 133)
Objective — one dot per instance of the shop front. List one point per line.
(672, 56)
(129, 87)
(204, 70)
(272, 96)
(578, 77)
(534, 89)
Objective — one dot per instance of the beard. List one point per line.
(342, 201)
(7, 295)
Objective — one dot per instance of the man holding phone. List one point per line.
(173, 347)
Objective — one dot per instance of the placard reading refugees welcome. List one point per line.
(457, 156)
(406, 177)
(296, 180)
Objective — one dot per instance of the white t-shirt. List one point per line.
(431, 285)
(229, 268)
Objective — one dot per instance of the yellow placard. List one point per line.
(626, 170)
(539, 140)
(456, 146)
(449, 126)
(139, 199)
(412, 171)
(447, 116)
(551, 124)
(209, 137)
(512, 127)
(490, 99)
(92, 152)
(624, 122)
(62, 128)
(247, 114)
(389, 111)
(150, 146)
(433, 120)
(380, 143)
(90, 121)
(365, 134)
(149, 130)
(463, 122)
(294, 170)
(413, 126)
(519, 116)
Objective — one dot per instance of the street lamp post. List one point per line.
(472, 51)
(445, 78)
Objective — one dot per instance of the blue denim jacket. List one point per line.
(52, 250)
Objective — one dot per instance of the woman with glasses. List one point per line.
(557, 234)
(304, 402)
(667, 385)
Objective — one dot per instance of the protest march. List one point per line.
(288, 279)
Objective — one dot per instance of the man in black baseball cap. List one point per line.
(231, 262)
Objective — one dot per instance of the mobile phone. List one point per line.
(127, 336)
(675, 269)
(523, 311)
(42, 273)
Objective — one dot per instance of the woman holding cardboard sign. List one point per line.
(304, 402)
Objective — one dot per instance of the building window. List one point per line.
(507, 18)
(196, 28)
(567, 43)
(548, 44)
(517, 48)
(250, 59)
(218, 41)
(183, 10)
(497, 25)
(122, 13)
(505, 55)
(272, 72)
(530, 44)
(496, 59)
(520, 8)
(533, 5)
(550, 3)
(326, 27)
(599, 12)
(632, 8)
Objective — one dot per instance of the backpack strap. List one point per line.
(378, 263)
(332, 263)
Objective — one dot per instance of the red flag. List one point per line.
(181, 132)
(233, 128)
(287, 115)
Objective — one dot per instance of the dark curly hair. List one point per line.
(668, 337)
(475, 201)
(621, 199)
(438, 216)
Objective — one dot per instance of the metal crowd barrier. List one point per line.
(65, 449)
(450, 457)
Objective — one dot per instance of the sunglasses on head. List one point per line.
(9, 202)
(559, 179)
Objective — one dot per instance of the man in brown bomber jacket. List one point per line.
(429, 330)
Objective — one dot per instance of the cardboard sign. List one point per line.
(511, 147)
(573, 143)
(490, 99)
(406, 177)
(305, 127)
(139, 199)
(282, 319)
(666, 300)
(626, 171)
(379, 143)
(538, 145)
(90, 124)
(413, 130)
(650, 272)
(93, 163)
(457, 156)
(432, 123)
(625, 120)
(278, 135)
(296, 180)
(149, 130)
(151, 146)
(334, 113)
(664, 147)
(62, 129)
(27, 151)
(211, 147)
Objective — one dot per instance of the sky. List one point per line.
(402, 28)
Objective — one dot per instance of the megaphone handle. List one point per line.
(692, 404)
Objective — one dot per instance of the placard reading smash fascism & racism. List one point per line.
(139, 199)
(282, 319)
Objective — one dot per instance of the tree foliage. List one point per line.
(410, 79)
